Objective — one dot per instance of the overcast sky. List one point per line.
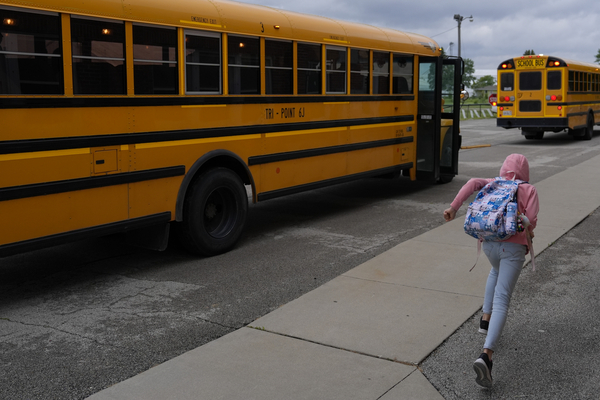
(500, 30)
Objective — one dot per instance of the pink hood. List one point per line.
(515, 165)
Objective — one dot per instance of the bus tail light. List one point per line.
(508, 64)
(559, 108)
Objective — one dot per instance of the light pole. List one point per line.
(459, 18)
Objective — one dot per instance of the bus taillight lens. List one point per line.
(559, 108)
(553, 98)
(501, 108)
(507, 98)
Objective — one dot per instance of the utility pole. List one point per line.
(459, 18)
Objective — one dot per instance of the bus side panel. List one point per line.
(281, 142)
(153, 197)
(44, 123)
(39, 216)
(48, 166)
(372, 159)
(285, 174)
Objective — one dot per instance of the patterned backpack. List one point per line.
(492, 215)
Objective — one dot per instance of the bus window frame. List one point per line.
(241, 67)
(268, 68)
(376, 75)
(503, 86)
(317, 71)
(537, 73)
(360, 73)
(28, 55)
(214, 35)
(150, 62)
(82, 57)
(397, 73)
(550, 79)
(331, 70)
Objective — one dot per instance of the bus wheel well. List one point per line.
(586, 132)
(212, 160)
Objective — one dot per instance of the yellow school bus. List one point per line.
(143, 116)
(548, 94)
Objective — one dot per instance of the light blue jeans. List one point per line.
(507, 261)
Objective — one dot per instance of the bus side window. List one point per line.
(279, 67)
(381, 73)
(571, 81)
(30, 53)
(202, 62)
(309, 68)
(155, 60)
(359, 71)
(244, 65)
(98, 56)
(403, 74)
(336, 70)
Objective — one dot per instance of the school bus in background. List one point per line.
(141, 116)
(548, 94)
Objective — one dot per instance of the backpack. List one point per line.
(492, 215)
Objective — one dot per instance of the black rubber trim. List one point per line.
(41, 189)
(86, 233)
(33, 145)
(317, 185)
(189, 100)
(293, 155)
(532, 122)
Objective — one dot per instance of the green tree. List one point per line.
(598, 57)
(529, 53)
(469, 73)
(487, 80)
(447, 77)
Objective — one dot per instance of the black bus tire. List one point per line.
(589, 129)
(214, 213)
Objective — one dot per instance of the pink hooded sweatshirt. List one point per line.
(517, 166)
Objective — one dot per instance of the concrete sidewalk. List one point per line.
(363, 334)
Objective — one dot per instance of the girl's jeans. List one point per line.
(507, 261)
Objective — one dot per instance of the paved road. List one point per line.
(78, 318)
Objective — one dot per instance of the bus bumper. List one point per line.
(548, 124)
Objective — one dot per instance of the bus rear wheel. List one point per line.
(214, 212)
(589, 129)
(587, 132)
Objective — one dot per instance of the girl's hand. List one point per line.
(449, 214)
